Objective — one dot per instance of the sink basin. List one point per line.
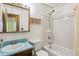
(10, 48)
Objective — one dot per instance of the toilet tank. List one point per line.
(37, 44)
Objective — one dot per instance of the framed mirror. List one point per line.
(14, 19)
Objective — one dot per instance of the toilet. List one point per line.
(42, 53)
(37, 44)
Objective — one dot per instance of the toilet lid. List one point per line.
(42, 53)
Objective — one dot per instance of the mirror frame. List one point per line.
(28, 18)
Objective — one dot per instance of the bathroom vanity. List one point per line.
(20, 47)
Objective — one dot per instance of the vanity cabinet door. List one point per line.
(24, 53)
(25, 20)
(4, 8)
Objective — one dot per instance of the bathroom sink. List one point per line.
(10, 48)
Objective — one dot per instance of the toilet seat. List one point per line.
(42, 53)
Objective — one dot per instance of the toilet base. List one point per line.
(42, 53)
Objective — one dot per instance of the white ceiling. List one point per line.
(53, 5)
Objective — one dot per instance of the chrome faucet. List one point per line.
(14, 42)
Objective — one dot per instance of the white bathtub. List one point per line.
(57, 50)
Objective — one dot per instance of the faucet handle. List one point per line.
(1, 40)
(14, 42)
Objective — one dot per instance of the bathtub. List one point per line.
(56, 50)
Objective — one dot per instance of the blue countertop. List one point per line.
(27, 46)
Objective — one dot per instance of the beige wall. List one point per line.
(45, 27)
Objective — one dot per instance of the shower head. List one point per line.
(51, 12)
